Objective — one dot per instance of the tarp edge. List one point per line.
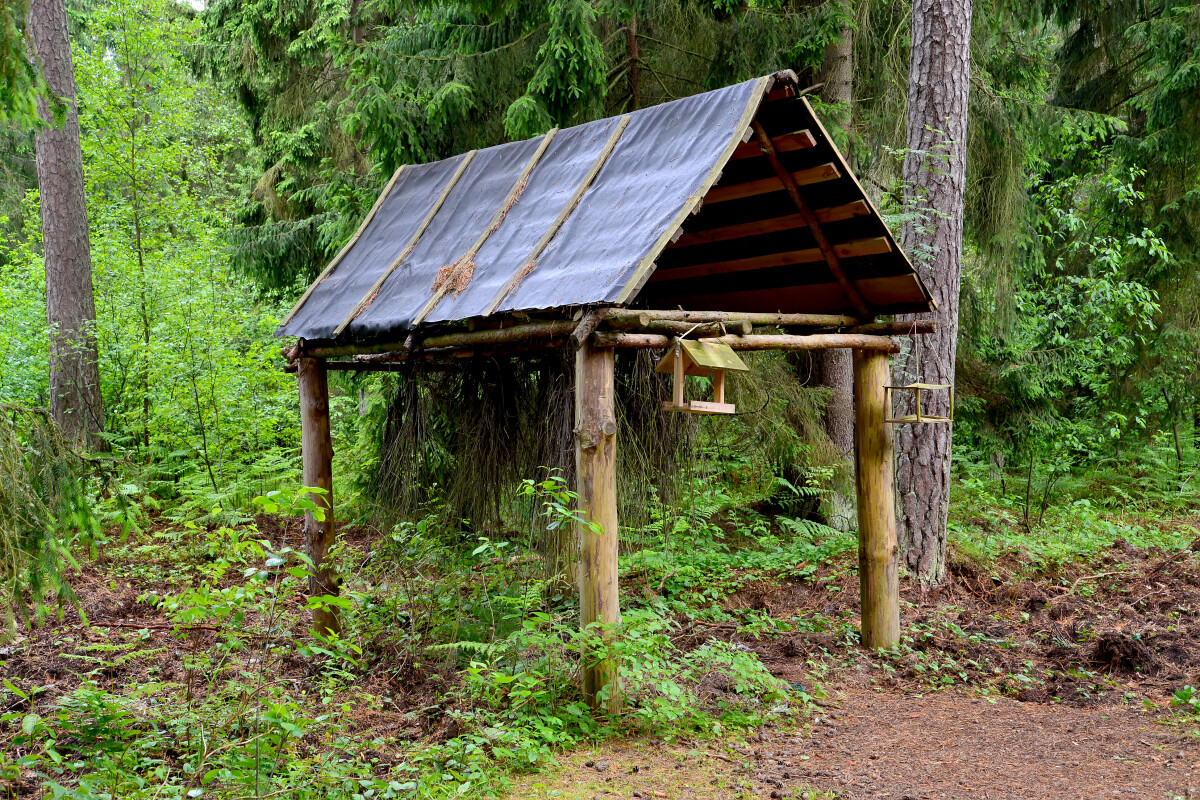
(646, 266)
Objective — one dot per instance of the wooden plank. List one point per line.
(899, 294)
(805, 177)
(759, 227)
(878, 551)
(827, 249)
(781, 92)
(862, 247)
(316, 448)
(700, 407)
(787, 143)
(596, 469)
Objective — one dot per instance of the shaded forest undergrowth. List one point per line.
(188, 669)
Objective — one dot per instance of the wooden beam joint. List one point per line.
(793, 190)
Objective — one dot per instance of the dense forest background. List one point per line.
(156, 631)
(231, 149)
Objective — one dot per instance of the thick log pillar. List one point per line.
(317, 451)
(596, 467)
(874, 460)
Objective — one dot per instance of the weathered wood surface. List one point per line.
(514, 333)
(876, 245)
(596, 466)
(782, 341)
(759, 227)
(586, 327)
(804, 177)
(788, 142)
(874, 456)
(317, 455)
(624, 318)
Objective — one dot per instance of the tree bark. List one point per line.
(75, 400)
(635, 58)
(935, 177)
(833, 369)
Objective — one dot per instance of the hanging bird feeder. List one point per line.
(703, 359)
(917, 389)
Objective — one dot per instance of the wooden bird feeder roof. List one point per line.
(702, 358)
(690, 204)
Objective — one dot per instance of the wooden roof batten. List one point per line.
(738, 253)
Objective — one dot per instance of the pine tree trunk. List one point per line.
(834, 368)
(70, 306)
(935, 177)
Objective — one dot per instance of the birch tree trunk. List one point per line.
(935, 177)
(834, 369)
(70, 305)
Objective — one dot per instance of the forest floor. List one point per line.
(1010, 681)
(1045, 687)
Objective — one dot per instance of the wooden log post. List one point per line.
(317, 454)
(874, 458)
(596, 467)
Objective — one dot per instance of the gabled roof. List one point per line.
(673, 205)
(703, 358)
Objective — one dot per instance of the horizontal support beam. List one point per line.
(900, 294)
(515, 333)
(805, 177)
(916, 327)
(787, 143)
(627, 318)
(741, 326)
(660, 325)
(780, 341)
(863, 247)
(773, 225)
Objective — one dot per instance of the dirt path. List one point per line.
(885, 744)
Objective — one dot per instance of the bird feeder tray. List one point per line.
(702, 359)
(917, 389)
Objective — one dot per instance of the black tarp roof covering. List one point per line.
(587, 215)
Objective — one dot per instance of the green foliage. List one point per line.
(19, 79)
(1054, 518)
(44, 513)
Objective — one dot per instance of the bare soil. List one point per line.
(872, 743)
(1005, 686)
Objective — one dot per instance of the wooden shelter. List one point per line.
(734, 205)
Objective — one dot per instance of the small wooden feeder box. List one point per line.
(917, 389)
(706, 360)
